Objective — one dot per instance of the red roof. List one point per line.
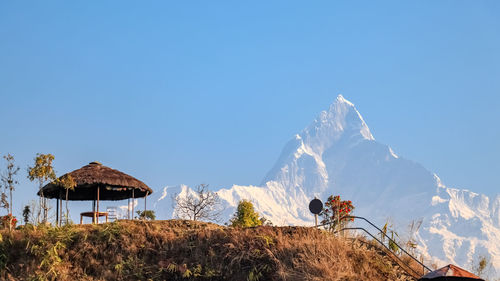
(451, 271)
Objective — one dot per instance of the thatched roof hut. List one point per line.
(112, 185)
(450, 273)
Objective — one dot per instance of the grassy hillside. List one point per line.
(187, 250)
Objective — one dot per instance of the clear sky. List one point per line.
(210, 91)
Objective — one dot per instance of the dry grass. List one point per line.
(186, 250)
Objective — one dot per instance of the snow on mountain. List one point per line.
(337, 154)
(460, 226)
(271, 201)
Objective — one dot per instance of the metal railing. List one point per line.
(413, 272)
(381, 232)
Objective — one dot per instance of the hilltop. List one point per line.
(188, 250)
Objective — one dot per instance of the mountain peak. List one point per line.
(341, 119)
(341, 99)
(340, 124)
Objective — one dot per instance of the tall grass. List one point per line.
(187, 250)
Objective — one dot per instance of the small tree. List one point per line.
(9, 181)
(202, 205)
(245, 215)
(334, 210)
(42, 172)
(26, 214)
(68, 183)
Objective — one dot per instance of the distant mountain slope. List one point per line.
(337, 154)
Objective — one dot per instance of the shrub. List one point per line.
(245, 215)
(335, 209)
(8, 219)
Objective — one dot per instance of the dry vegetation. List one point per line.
(187, 250)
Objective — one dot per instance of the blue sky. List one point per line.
(210, 91)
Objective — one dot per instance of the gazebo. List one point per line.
(450, 273)
(96, 182)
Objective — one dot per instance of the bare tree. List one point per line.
(200, 205)
(9, 181)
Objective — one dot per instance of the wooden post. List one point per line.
(93, 211)
(145, 206)
(128, 208)
(60, 210)
(57, 211)
(98, 188)
(133, 202)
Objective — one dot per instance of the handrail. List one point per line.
(356, 217)
(415, 273)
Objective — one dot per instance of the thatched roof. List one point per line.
(452, 273)
(113, 185)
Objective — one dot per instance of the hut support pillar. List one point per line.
(133, 203)
(145, 206)
(96, 215)
(93, 211)
(57, 212)
(128, 208)
(61, 212)
(59, 209)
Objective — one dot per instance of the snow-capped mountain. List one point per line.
(337, 154)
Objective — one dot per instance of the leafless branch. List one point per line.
(200, 205)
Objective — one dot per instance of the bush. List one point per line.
(245, 215)
(8, 219)
(335, 209)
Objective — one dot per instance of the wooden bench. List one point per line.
(93, 215)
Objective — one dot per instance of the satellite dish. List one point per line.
(315, 206)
